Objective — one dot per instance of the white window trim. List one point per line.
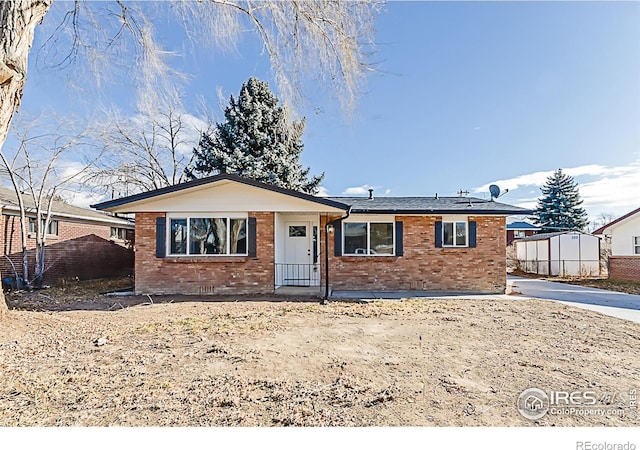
(466, 233)
(117, 238)
(393, 236)
(209, 215)
(32, 220)
(635, 241)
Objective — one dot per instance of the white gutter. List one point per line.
(106, 219)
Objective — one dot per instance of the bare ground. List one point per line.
(173, 362)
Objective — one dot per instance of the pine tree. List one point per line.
(256, 141)
(559, 207)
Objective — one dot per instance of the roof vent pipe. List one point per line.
(370, 194)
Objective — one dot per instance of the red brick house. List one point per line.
(520, 229)
(226, 234)
(81, 243)
(624, 235)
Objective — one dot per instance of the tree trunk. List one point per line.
(18, 20)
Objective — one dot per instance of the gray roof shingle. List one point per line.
(543, 236)
(428, 205)
(379, 205)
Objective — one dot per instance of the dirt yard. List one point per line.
(139, 361)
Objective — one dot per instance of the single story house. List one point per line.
(624, 233)
(227, 234)
(564, 253)
(520, 229)
(81, 243)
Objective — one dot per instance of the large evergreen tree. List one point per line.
(256, 141)
(559, 207)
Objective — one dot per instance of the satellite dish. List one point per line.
(494, 190)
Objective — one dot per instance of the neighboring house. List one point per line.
(565, 253)
(624, 234)
(520, 229)
(81, 243)
(226, 234)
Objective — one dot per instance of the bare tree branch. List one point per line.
(148, 151)
(34, 169)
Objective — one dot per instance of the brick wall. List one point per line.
(80, 249)
(204, 274)
(626, 268)
(425, 267)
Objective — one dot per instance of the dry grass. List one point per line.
(628, 287)
(193, 363)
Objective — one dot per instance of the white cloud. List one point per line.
(322, 192)
(364, 190)
(619, 193)
(82, 199)
(539, 178)
(69, 169)
(189, 135)
(603, 189)
(359, 190)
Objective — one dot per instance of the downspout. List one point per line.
(326, 254)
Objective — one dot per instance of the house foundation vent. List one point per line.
(207, 289)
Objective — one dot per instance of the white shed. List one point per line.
(566, 253)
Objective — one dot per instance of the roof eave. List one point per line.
(54, 214)
(112, 205)
(470, 212)
(614, 223)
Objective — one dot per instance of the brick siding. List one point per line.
(625, 268)
(81, 249)
(204, 274)
(426, 267)
(423, 266)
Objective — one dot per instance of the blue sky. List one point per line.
(466, 94)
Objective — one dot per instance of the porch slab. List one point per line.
(299, 290)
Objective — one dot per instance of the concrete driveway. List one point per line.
(616, 304)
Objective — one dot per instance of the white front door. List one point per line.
(298, 259)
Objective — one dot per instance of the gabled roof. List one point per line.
(363, 205)
(521, 225)
(208, 180)
(428, 205)
(602, 229)
(60, 209)
(543, 236)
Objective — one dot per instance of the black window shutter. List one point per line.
(472, 234)
(438, 234)
(160, 237)
(337, 238)
(251, 238)
(399, 246)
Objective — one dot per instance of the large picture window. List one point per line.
(454, 234)
(208, 236)
(368, 238)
